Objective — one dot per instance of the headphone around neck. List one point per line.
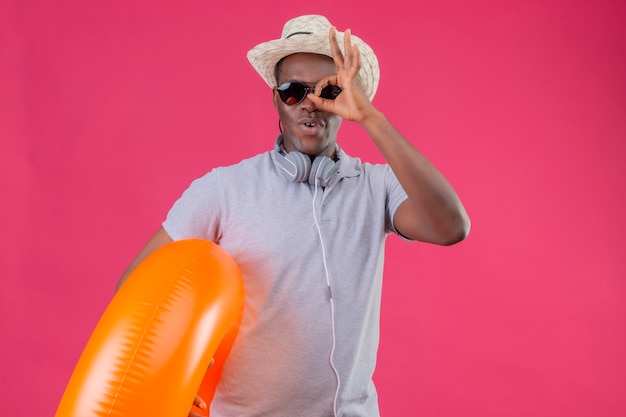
(297, 167)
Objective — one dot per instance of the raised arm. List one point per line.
(433, 211)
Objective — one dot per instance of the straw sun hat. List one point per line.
(310, 34)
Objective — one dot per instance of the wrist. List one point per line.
(372, 118)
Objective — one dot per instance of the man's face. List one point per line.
(305, 128)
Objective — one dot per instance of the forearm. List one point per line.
(159, 239)
(435, 213)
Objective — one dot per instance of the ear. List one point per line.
(275, 97)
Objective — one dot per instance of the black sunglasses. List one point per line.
(294, 93)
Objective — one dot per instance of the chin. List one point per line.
(313, 150)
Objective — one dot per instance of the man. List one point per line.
(306, 224)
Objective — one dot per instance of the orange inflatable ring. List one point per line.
(150, 352)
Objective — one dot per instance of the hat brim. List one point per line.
(266, 55)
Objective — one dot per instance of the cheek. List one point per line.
(284, 113)
(334, 122)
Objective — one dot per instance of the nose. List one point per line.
(308, 105)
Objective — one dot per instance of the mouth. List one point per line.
(311, 125)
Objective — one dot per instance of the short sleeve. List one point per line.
(197, 213)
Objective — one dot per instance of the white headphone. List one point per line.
(298, 167)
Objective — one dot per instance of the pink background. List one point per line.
(109, 110)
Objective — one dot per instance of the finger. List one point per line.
(329, 80)
(193, 414)
(347, 47)
(334, 47)
(356, 62)
(199, 402)
(321, 103)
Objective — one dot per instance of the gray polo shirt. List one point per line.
(298, 353)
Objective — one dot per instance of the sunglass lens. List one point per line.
(292, 93)
(330, 92)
